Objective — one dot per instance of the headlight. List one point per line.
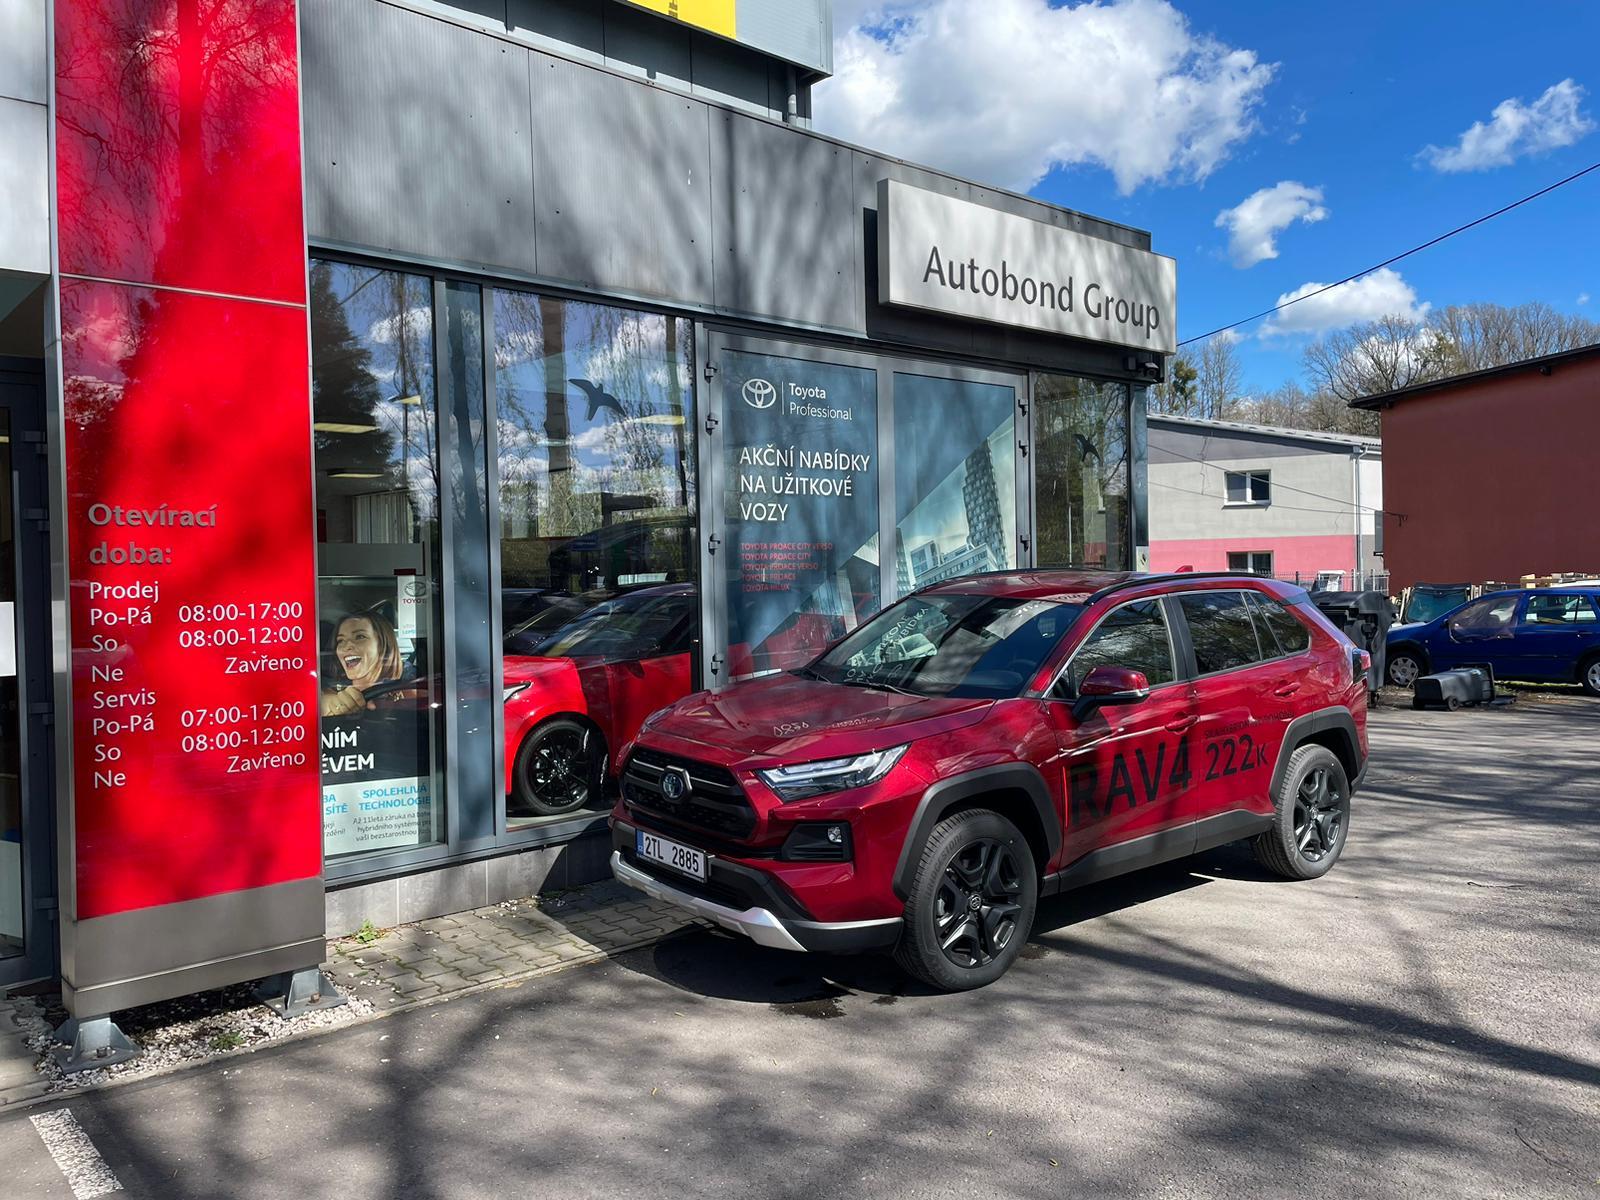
(805, 780)
(513, 689)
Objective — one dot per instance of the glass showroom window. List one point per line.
(800, 505)
(1080, 439)
(955, 479)
(599, 604)
(377, 490)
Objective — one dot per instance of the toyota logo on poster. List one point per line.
(759, 393)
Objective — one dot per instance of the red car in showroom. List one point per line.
(992, 740)
(576, 694)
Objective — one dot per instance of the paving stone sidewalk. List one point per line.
(380, 970)
(437, 957)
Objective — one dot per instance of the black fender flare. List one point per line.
(1303, 729)
(1016, 776)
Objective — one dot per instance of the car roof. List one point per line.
(1077, 584)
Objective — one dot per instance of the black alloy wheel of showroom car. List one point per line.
(559, 768)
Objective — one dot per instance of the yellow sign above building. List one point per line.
(717, 16)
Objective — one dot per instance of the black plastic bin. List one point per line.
(1365, 618)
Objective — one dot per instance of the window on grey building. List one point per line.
(1249, 487)
(1258, 561)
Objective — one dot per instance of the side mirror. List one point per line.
(1111, 685)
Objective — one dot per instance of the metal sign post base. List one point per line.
(295, 992)
(89, 1043)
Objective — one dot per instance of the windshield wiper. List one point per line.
(809, 673)
(880, 685)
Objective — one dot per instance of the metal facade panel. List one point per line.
(799, 31)
(729, 74)
(439, 171)
(641, 44)
(786, 230)
(575, 28)
(622, 184)
(25, 184)
(22, 51)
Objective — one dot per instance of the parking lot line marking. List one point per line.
(86, 1172)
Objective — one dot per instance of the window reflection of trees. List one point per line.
(1081, 472)
(595, 462)
(1135, 637)
(372, 396)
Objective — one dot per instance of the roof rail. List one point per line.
(1170, 577)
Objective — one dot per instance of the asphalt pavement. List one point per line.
(1425, 1021)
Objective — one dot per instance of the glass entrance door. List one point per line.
(27, 936)
(838, 481)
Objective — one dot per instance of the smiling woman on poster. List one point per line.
(368, 654)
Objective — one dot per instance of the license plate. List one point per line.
(685, 859)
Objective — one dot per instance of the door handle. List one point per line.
(1181, 724)
(1286, 689)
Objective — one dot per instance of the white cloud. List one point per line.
(1516, 129)
(1383, 293)
(1583, 297)
(1254, 223)
(1006, 90)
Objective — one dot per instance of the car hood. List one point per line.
(1398, 631)
(794, 719)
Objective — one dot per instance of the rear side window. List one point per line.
(1220, 627)
(1281, 625)
(1562, 608)
(1133, 636)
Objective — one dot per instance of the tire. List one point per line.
(976, 890)
(1403, 668)
(1297, 847)
(1589, 676)
(559, 768)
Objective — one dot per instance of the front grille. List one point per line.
(714, 802)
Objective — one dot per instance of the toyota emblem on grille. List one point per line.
(675, 783)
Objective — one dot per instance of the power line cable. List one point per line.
(1386, 262)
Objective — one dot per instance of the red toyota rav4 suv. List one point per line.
(992, 740)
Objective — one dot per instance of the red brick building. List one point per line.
(1491, 476)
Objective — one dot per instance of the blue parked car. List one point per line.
(1543, 634)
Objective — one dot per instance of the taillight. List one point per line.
(1361, 664)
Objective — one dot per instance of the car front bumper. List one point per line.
(748, 902)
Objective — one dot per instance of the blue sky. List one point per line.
(1163, 115)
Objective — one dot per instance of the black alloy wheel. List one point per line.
(1312, 816)
(976, 905)
(970, 905)
(1319, 811)
(558, 769)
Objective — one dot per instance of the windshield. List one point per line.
(634, 626)
(950, 645)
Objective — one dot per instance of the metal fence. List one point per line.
(1339, 581)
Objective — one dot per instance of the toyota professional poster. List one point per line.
(801, 505)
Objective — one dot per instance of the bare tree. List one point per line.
(1219, 384)
(1477, 337)
(1375, 356)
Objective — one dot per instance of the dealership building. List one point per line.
(402, 398)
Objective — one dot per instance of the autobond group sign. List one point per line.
(951, 256)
